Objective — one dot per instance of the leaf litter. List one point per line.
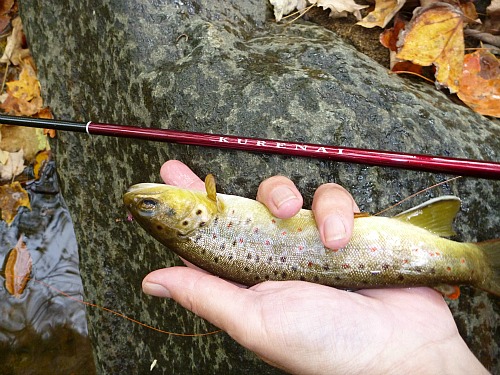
(20, 147)
(432, 44)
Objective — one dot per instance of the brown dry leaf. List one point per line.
(12, 197)
(382, 14)
(6, 6)
(14, 52)
(435, 36)
(18, 269)
(480, 83)
(30, 140)
(47, 113)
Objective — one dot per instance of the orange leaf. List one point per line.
(435, 36)
(41, 158)
(18, 269)
(11, 198)
(389, 37)
(480, 83)
(47, 113)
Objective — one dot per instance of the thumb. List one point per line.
(216, 300)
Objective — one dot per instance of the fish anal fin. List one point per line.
(435, 215)
(210, 187)
(448, 291)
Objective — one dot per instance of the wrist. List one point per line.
(450, 356)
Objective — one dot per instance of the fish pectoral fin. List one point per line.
(435, 215)
(448, 291)
(210, 187)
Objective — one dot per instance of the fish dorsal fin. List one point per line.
(210, 187)
(435, 215)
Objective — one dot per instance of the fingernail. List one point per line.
(156, 290)
(334, 228)
(281, 195)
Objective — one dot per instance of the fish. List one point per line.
(238, 239)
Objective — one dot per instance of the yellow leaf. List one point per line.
(27, 87)
(382, 14)
(12, 197)
(435, 36)
(40, 160)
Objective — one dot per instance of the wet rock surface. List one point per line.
(226, 67)
(44, 329)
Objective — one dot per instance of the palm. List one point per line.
(299, 320)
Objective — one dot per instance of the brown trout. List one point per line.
(238, 239)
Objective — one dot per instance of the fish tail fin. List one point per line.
(492, 251)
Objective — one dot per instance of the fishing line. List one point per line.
(417, 193)
(121, 315)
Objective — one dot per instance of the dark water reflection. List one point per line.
(44, 332)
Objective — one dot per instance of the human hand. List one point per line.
(307, 328)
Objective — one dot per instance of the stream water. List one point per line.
(43, 331)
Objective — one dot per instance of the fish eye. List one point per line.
(148, 204)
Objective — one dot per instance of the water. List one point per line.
(43, 331)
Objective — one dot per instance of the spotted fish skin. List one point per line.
(238, 239)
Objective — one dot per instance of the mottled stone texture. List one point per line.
(226, 67)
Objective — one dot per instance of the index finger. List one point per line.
(174, 172)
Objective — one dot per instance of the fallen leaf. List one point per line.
(4, 23)
(470, 13)
(21, 107)
(27, 87)
(340, 8)
(4, 156)
(30, 140)
(14, 52)
(283, 7)
(18, 269)
(6, 6)
(407, 67)
(389, 39)
(480, 83)
(13, 166)
(435, 36)
(382, 14)
(47, 114)
(40, 160)
(23, 97)
(12, 197)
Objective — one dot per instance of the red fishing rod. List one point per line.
(420, 162)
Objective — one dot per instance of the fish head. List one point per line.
(168, 211)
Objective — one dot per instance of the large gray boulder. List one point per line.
(226, 67)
